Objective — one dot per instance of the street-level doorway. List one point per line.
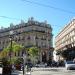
(44, 57)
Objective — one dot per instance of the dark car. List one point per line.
(18, 67)
(30, 65)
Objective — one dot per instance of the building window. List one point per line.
(28, 37)
(43, 38)
(22, 53)
(7, 41)
(23, 38)
(36, 37)
(15, 39)
(37, 43)
(15, 53)
(18, 53)
(3, 42)
(19, 38)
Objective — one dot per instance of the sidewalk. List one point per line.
(16, 72)
(48, 69)
(20, 73)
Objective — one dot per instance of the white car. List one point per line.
(70, 65)
(1, 69)
(40, 65)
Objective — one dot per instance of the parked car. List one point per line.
(18, 66)
(1, 69)
(70, 65)
(41, 65)
(29, 64)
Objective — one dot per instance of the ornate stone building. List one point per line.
(65, 40)
(32, 33)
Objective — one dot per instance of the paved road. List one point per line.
(53, 71)
(47, 71)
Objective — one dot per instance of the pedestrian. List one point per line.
(13, 68)
(74, 60)
(21, 66)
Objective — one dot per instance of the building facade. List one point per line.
(66, 38)
(32, 33)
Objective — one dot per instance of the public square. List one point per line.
(47, 71)
(53, 71)
(37, 37)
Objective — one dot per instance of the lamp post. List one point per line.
(24, 61)
(6, 68)
(11, 34)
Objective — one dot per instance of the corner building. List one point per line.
(66, 38)
(32, 33)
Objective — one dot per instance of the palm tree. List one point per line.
(15, 49)
(33, 54)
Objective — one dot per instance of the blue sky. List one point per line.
(21, 9)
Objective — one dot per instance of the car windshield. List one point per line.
(70, 62)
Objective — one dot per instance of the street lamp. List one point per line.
(24, 61)
(11, 34)
(10, 53)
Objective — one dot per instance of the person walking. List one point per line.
(74, 60)
(13, 67)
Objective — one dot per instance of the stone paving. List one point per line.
(20, 73)
(52, 71)
(47, 71)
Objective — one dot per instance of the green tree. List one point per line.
(3, 54)
(33, 54)
(15, 49)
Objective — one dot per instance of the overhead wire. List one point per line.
(49, 6)
(9, 17)
(44, 5)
